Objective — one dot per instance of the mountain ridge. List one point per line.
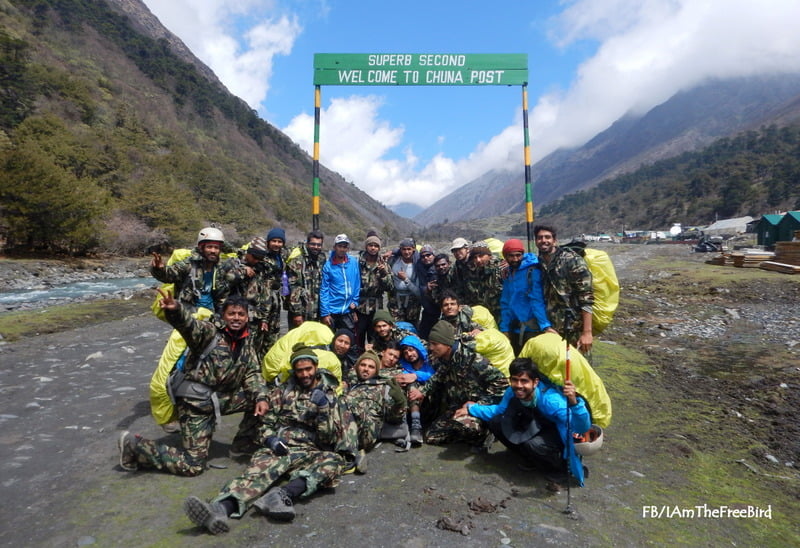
(156, 146)
(687, 121)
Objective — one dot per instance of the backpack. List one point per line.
(605, 284)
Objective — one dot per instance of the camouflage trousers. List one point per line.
(319, 469)
(369, 428)
(198, 423)
(445, 429)
(405, 308)
(263, 340)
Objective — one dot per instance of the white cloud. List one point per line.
(651, 49)
(355, 142)
(238, 40)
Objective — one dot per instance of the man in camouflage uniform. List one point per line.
(308, 435)
(458, 270)
(248, 277)
(305, 276)
(460, 317)
(373, 399)
(376, 281)
(568, 294)
(196, 278)
(481, 283)
(275, 273)
(444, 277)
(428, 276)
(384, 331)
(461, 376)
(222, 376)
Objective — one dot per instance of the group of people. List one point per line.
(404, 331)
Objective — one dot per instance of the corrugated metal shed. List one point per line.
(728, 226)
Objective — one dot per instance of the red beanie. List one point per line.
(513, 245)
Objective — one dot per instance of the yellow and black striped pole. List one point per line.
(528, 183)
(315, 184)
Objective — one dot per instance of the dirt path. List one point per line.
(680, 429)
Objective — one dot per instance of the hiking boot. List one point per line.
(210, 515)
(276, 504)
(416, 433)
(242, 447)
(239, 453)
(171, 427)
(402, 444)
(361, 462)
(127, 457)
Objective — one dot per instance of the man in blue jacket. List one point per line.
(531, 419)
(340, 287)
(522, 307)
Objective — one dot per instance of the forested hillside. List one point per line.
(753, 173)
(109, 140)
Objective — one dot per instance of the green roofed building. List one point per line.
(788, 225)
(767, 229)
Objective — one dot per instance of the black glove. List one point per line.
(319, 398)
(277, 446)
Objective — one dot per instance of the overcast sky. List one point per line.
(590, 62)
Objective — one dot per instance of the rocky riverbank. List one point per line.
(46, 274)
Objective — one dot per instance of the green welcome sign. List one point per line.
(420, 69)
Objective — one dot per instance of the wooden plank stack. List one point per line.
(788, 252)
(787, 258)
(780, 267)
(750, 258)
(723, 259)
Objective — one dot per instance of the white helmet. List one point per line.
(210, 234)
(593, 442)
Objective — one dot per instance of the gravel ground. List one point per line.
(701, 364)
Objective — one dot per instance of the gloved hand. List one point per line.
(395, 392)
(319, 398)
(277, 446)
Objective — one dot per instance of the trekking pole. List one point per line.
(569, 510)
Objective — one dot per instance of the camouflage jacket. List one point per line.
(305, 278)
(482, 286)
(374, 283)
(299, 422)
(443, 281)
(463, 323)
(230, 365)
(187, 275)
(371, 405)
(274, 267)
(457, 278)
(258, 290)
(466, 376)
(566, 279)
